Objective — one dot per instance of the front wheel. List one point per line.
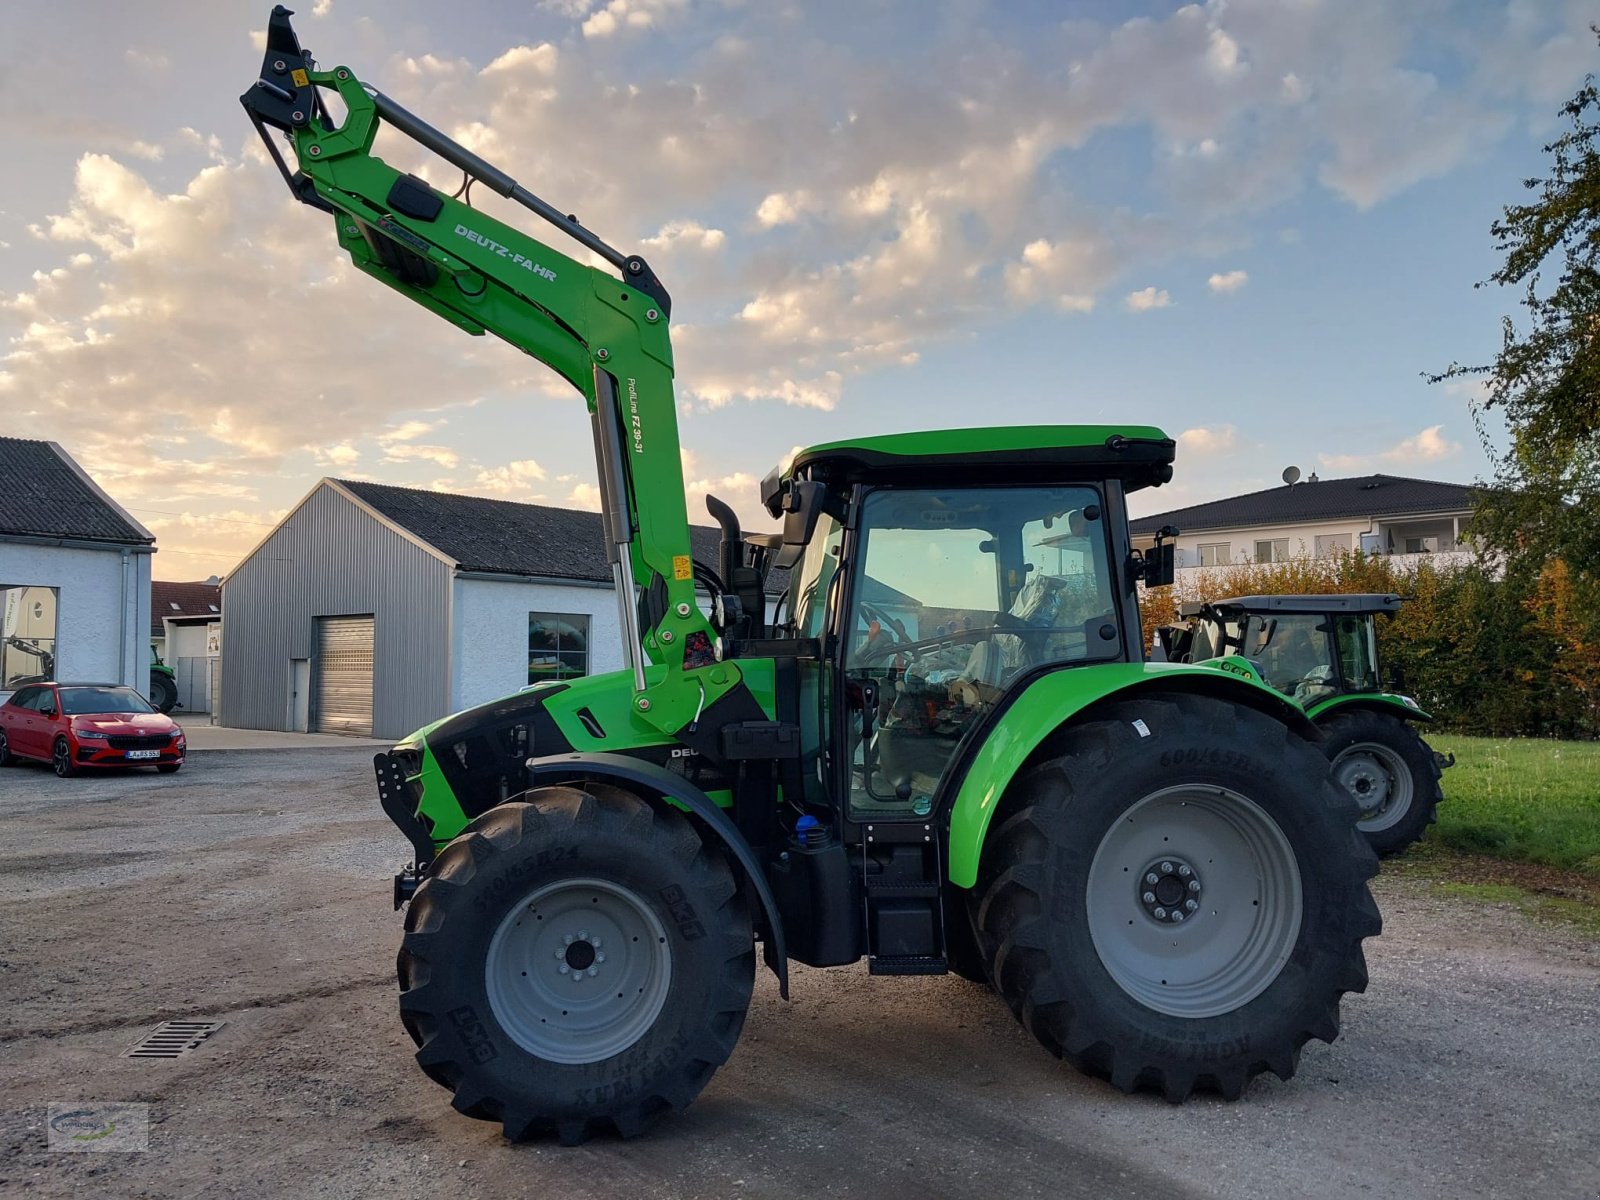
(6, 757)
(576, 961)
(1389, 772)
(163, 692)
(61, 759)
(1177, 897)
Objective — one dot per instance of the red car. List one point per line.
(76, 725)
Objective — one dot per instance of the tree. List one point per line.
(1545, 381)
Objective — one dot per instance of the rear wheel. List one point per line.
(1389, 772)
(61, 759)
(574, 962)
(163, 692)
(1176, 898)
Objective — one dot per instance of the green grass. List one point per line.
(1523, 799)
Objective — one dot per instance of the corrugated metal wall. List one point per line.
(331, 559)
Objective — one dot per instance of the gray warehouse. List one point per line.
(373, 609)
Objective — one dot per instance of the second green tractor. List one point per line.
(914, 727)
(1321, 651)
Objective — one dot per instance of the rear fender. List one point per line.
(1389, 703)
(655, 784)
(1049, 702)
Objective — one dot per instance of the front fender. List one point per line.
(647, 780)
(1048, 702)
(1391, 703)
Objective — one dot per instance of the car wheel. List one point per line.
(168, 768)
(6, 757)
(61, 759)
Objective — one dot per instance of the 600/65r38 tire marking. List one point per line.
(574, 889)
(1083, 902)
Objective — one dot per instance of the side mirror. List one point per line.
(1157, 566)
(1160, 565)
(47, 710)
(802, 509)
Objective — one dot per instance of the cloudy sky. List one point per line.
(1253, 222)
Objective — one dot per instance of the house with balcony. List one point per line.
(1318, 518)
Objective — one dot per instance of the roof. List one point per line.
(43, 493)
(508, 537)
(181, 600)
(1336, 602)
(1140, 455)
(1322, 500)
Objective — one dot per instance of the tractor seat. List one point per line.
(1044, 601)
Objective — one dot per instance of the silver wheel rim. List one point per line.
(578, 971)
(1218, 851)
(1379, 781)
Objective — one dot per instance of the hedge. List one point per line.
(1485, 655)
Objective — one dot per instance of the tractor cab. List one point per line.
(1310, 648)
(937, 571)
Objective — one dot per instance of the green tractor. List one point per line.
(936, 746)
(1322, 652)
(163, 684)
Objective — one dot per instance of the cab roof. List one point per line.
(1353, 602)
(1140, 455)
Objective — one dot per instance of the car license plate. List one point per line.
(144, 754)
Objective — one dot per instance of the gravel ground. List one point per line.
(253, 887)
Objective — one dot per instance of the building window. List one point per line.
(1422, 545)
(1274, 551)
(27, 634)
(1329, 544)
(1215, 554)
(558, 646)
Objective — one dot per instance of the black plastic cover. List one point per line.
(411, 197)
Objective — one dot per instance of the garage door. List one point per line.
(341, 695)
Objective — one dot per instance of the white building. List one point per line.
(1317, 518)
(74, 574)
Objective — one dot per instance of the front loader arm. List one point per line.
(606, 334)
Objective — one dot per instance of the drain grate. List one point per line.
(172, 1039)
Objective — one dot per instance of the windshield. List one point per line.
(80, 700)
(958, 593)
(1292, 652)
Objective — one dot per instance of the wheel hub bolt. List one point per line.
(1170, 890)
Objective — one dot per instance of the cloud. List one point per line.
(1430, 445)
(628, 14)
(1231, 281)
(403, 452)
(585, 495)
(408, 431)
(1148, 298)
(513, 480)
(1203, 441)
